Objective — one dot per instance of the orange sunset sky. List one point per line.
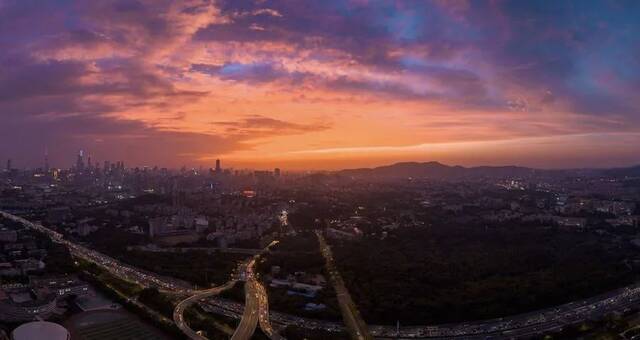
(320, 84)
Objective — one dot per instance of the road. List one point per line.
(178, 312)
(256, 306)
(249, 319)
(256, 300)
(526, 325)
(256, 309)
(111, 265)
(516, 326)
(282, 320)
(208, 250)
(355, 324)
(263, 312)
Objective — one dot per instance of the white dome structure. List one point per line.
(40, 330)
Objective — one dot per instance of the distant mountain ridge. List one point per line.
(633, 171)
(436, 170)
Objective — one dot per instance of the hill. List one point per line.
(436, 170)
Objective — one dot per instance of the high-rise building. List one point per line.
(218, 167)
(46, 161)
(276, 172)
(9, 164)
(178, 196)
(80, 161)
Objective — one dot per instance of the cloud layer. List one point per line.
(262, 82)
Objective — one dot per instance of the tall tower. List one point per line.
(9, 164)
(218, 167)
(46, 160)
(80, 161)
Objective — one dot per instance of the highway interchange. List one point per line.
(256, 303)
(178, 313)
(256, 307)
(518, 326)
(255, 311)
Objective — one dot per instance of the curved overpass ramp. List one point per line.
(178, 312)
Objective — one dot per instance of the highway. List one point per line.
(249, 319)
(355, 324)
(256, 306)
(208, 250)
(263, 312)
(113, 266)
(178, 312)
(516, 326)
(256, 296)
(234, 309)
(525, 325)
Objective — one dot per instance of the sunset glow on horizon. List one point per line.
(321, 84)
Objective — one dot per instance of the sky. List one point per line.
(320, 84)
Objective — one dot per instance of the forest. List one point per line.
(447, 273)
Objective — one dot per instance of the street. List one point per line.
(355, 324)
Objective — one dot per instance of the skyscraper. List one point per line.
(9, 164)
(46, 160)
(218, 167)
(80, 161)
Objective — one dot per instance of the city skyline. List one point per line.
(81, 164)
(319, 169)
(322, 85)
